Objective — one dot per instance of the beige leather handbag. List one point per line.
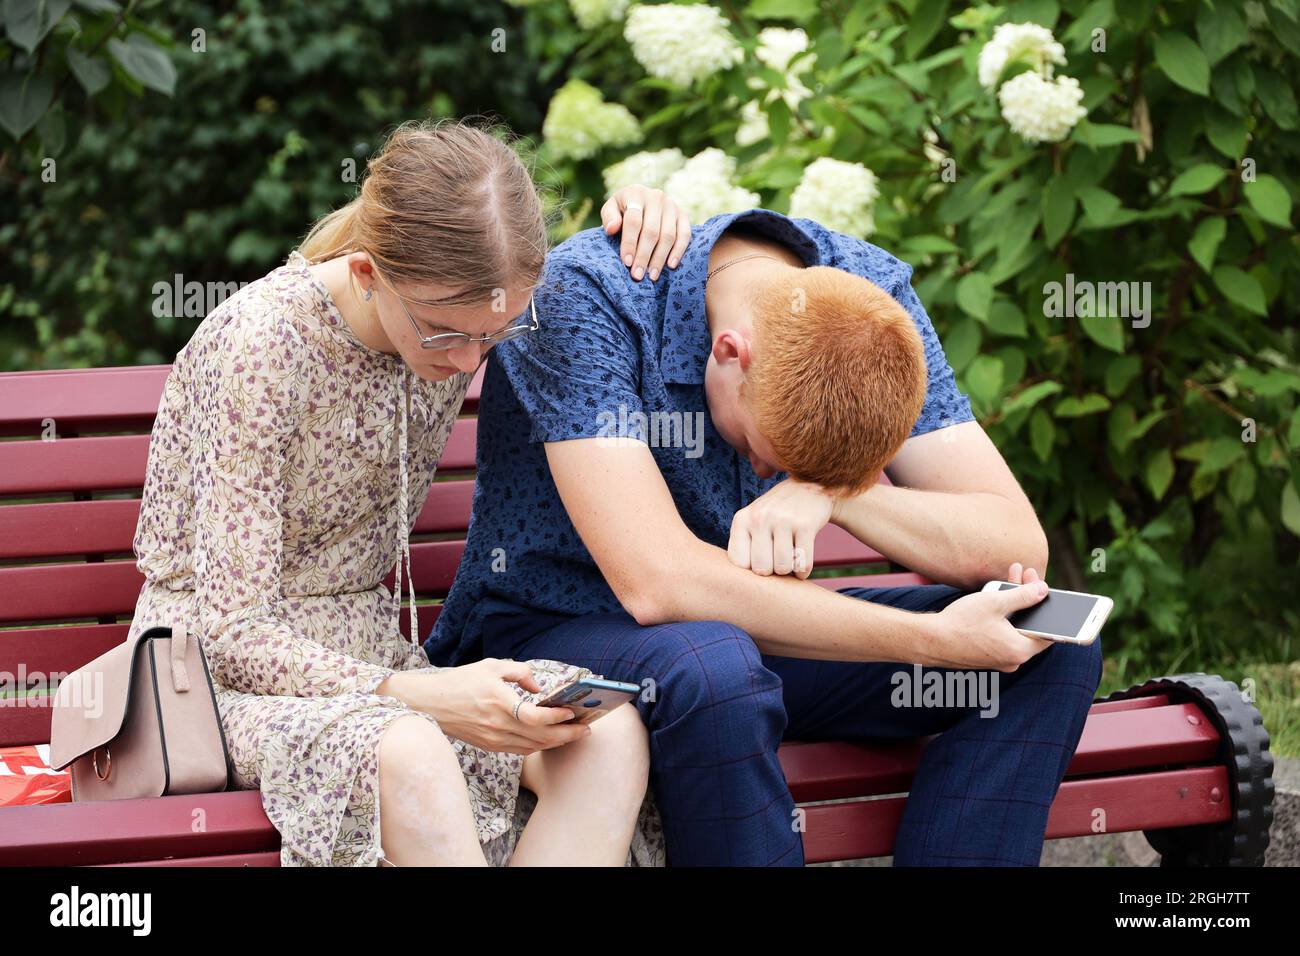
(141, 721)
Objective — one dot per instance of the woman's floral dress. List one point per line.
(287, 466)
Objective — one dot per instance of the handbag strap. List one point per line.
(180, 674)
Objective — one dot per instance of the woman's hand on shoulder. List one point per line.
(655, 229)
(477, 704)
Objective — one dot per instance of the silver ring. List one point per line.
(518, 704)
(633, 205)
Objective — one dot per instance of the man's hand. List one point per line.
(973, 631)
(774, 533)
(655, 229)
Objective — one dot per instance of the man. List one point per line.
(681, 564)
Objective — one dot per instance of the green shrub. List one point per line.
(1161, 455)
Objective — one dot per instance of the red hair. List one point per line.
(837, 378)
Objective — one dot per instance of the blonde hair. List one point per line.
(443, 202)
(838, 376)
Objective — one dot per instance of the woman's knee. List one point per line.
(416, 763)
(613, 762)
(621, 735)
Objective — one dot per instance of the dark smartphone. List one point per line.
(590, 697)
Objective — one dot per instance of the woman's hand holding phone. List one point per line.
(476, 703)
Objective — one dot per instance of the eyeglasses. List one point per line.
(442, 341)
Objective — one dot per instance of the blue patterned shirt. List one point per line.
(619, 358)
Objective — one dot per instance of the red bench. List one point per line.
(1184, 759)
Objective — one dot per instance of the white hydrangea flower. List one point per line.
(1018, 43)
(1039, 109)
(930, 147)
(753, 124)
(651, 168)
(579, 122)
(705, 186)
(778, 46)
(681, 44)
(594, 13)
(838, 195)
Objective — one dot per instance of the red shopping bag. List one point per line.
(26, 777)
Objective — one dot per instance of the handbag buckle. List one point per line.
(108, 765)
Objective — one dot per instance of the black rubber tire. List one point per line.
(1243, 749)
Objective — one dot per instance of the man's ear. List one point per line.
(732, 344)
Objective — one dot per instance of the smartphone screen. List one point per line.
(1058, 613)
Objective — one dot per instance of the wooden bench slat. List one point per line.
(1112, 741)
(131, 830)
(118, 462)
(102, 463)
(901, 579)
(100, 399)
(58, 528)
(60, 591)
(267, 858)
(79, 400)
(1148, 801)
(68, 527)
(57, 650)
(124, 831)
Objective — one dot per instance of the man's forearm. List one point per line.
(784, 615)
(963, 539)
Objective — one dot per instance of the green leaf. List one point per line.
(1241, 483)
(1005, 318)
(1143, 425)
(1058, 210)
(1183, 62)
(1121, 370)
(1101, 135)
(1118, 423)
(1278, 99)
(1031, 396)
(1293, 434)
(1042, 434)
(1226, 133)
(24, 98)
(1241, 287)
(962, 342)
(28, 21)
(1221, 30)
(92, 72)
(800, 11)
(1219, 454)
(51, 131)
(1291, 509)
(1270, 200)
(1205, 241)
(922, 26)
(922, 245)
(975, 295)
(1106, 330)
(145, 62)
(1200, 178)
(1072, 407)
(1099, 205)
(984, 378)
(1159, 472)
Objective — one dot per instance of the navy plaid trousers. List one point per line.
(720, 708)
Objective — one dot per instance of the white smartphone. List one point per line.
(1065, 616)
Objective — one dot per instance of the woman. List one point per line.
(293, 449)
